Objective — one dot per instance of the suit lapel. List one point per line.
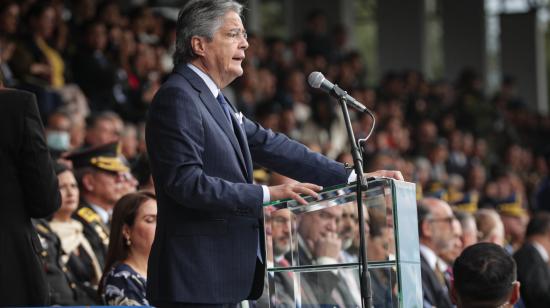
(215, 110)
(239, 132)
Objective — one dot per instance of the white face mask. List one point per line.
(58, 140)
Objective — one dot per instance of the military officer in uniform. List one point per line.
(64, 290)
(100, 172)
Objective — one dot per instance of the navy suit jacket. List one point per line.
(534, 276)
(209, 212)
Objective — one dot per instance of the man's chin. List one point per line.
(346, 243)
(281, 251)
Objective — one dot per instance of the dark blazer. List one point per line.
(28, 188)
(434, 293)
(209, 212)
(534, 276)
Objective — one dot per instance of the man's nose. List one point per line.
(244, 43)
(332, 226)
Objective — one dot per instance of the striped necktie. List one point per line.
(225, 106)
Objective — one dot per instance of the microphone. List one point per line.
(318, 81)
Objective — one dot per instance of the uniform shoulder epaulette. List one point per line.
(41, 228)
(88, 215)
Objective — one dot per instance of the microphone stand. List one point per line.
(365, 280)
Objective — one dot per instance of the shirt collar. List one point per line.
(541, 250)
(209, 82)
(429, 255)
(102, 213)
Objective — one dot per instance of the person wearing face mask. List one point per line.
(57, 133)
(132, 232)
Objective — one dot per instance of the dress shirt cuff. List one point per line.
(267, 195)
(326, 260)
(352, 176)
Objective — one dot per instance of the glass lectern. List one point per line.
(312, 250)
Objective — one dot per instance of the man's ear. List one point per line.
(88, 182)
(426, 230)
(514, 296)
(197, 45)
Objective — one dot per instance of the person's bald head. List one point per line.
(435, 219)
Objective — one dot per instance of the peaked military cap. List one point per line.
(104, 157)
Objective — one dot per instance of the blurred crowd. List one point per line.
(95, 67)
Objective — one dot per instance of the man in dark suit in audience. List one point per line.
(435, 219)
(532, 260)
(28, 189)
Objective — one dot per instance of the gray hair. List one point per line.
(200, 18)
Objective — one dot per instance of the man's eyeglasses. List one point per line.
(280, 220)
(448, 220)
(236, 34)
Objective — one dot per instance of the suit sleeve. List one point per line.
(38, 179)
(277, 152)
(175, 144)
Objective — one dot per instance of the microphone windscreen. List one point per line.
(315, 79)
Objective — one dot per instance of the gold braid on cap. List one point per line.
(109, 163)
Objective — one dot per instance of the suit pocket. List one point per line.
(207, 227)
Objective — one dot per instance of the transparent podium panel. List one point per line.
(331, 288)
(313, 250)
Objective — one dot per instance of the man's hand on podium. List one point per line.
(293, 191)
(394, 174)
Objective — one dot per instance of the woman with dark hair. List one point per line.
(79, 257)
(132, 232)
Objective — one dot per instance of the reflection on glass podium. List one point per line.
(312, 250)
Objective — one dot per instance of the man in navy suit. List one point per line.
(208, 249)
